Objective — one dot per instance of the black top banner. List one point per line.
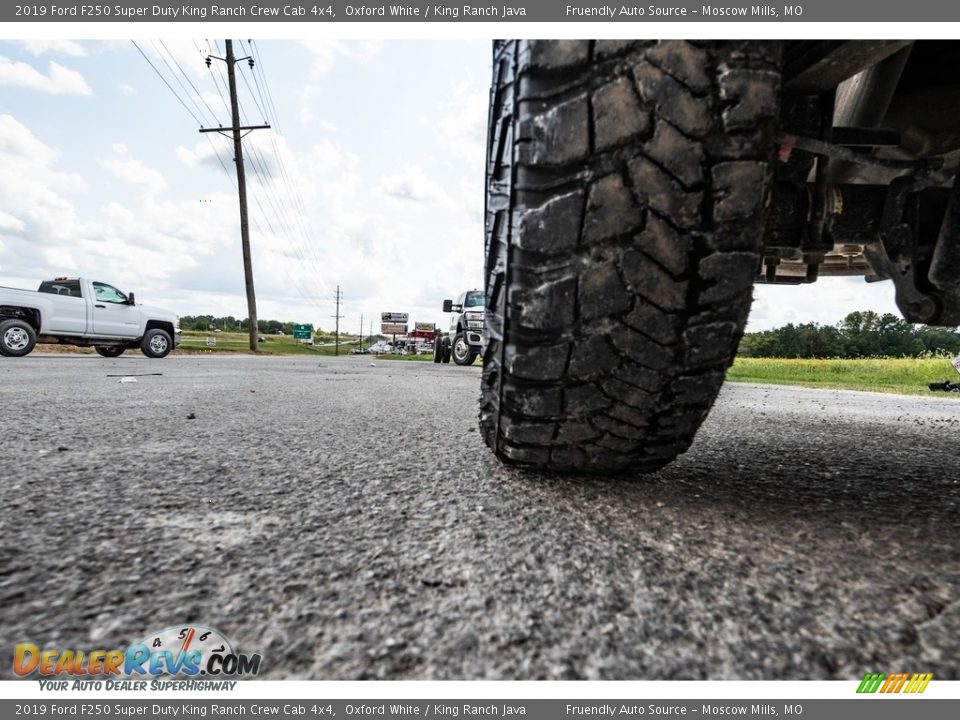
(333, 11)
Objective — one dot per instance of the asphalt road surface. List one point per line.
(345, 520)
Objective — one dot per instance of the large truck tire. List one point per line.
(626, 191)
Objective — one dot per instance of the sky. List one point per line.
(371, 178)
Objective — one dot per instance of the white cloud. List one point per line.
(62, 47)
(463, 123)
(9, 222)
(142, 245)
(308, 117)
(31, 188)
(204, 154)
(127, 168)
(59, 80)
(411, 184)
(324, 53)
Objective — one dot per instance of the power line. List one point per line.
(252, 96)
(282, 208)
(199, 95)
(287, 206)
(179, 81)
(169, 86)
(263, 173)
(255, 81)
(216, 84)
(266, 86)
(222, 164)
(294, 193)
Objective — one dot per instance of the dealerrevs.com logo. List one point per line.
(189, 651)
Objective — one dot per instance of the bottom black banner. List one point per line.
(873, 707)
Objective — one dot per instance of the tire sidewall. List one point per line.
(145, 344)
(468, 356)
(7, 325)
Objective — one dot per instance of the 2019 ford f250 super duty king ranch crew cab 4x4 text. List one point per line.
(77, 311)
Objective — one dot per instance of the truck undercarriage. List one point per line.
(868, 152)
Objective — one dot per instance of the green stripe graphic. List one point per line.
(871, 682)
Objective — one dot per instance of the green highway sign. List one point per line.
(302, 332)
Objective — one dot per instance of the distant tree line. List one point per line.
(206, 323)
(230, 323)
(858, 335)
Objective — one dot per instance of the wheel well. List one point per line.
(30, 315)
(159, 325)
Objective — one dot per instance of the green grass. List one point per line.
(232, 342)
(906, 376)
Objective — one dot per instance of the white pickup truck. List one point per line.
(77, 311)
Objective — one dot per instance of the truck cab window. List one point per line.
(69, 288)
(108, 293)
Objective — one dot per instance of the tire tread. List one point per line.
(624, 224)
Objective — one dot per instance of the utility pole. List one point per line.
(336, 333)
(361, 331)
(235, 129)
